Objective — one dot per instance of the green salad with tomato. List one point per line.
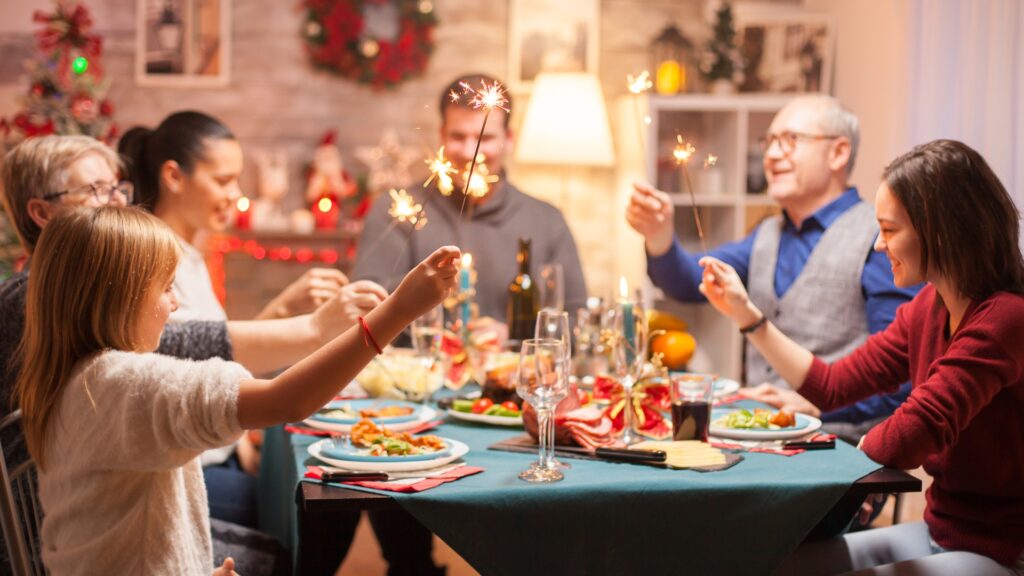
(487, 407)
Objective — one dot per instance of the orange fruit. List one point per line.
(675, 347)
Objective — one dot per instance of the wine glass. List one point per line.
(554, 325)
(542, 382)
(552, 287)
(427, 331)
(629, 352)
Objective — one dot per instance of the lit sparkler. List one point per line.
(441, 169)
(404, 208)
(638, 85)
(682, 154)
(479, 183)
(488, 97)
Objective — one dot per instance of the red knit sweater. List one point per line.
(962, 421)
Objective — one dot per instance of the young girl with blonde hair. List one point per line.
(116, 430)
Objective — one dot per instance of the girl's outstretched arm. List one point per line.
(308, 385)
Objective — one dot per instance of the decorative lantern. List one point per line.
(670, 52)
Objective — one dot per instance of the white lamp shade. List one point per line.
(566, 122)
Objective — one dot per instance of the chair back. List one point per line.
(20, 512)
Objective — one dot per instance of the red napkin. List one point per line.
(819, 437)
(315, 472)
(295, 429)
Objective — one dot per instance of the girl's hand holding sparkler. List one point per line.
(426, 285)
(651, 213)
(725, 291)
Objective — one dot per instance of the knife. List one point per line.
(352, 476)
(826, 445)
(620, 454)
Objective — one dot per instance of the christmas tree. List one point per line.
(66, 86)
(721, 59)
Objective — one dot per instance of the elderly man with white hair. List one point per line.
(811, 269)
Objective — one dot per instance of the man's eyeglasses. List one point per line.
(787, 140)
(102, 191)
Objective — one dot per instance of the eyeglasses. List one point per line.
(102, 191)
(787, 140)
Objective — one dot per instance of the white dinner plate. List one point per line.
(425, 415)
(353, 407)
(456, 450)
(485, 418)
(804, 425)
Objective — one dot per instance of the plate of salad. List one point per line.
(485, 411)
(761, 424)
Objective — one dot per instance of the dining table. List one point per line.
(603, 518)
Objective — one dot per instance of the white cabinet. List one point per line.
(729, 197)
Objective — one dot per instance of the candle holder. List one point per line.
(629, 353)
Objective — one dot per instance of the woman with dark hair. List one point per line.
(186, 172)
(945, 219)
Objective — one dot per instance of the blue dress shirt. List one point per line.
(678, 274)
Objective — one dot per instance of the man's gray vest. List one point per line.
(823, 310)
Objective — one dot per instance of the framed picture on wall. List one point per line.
(182, 42)
(786, 52)
(551, 35)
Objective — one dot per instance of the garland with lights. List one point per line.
(338, 39)
(223, 246)
(67, 88)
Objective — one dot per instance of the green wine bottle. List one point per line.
(523, 298)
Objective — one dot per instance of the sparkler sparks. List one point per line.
(441, 169)
(682, 153)
(479, 183)
(404, 208)
(488, 97)
(710, 161)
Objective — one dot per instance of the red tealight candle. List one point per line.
(242, 214)
(326, 213)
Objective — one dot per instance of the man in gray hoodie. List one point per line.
(487, 228)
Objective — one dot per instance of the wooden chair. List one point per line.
(20, 512)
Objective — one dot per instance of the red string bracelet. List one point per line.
(368, 338)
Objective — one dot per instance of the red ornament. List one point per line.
(106, 108)
(84, 109)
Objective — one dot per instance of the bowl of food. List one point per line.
(400, 373)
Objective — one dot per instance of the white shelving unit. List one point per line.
(730, 200)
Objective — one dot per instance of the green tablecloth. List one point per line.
(605, 518)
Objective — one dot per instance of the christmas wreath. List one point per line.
(375, 42)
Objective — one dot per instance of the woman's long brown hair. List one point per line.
(966, 222)
(91, 271)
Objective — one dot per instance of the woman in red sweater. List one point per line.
(945, 219)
